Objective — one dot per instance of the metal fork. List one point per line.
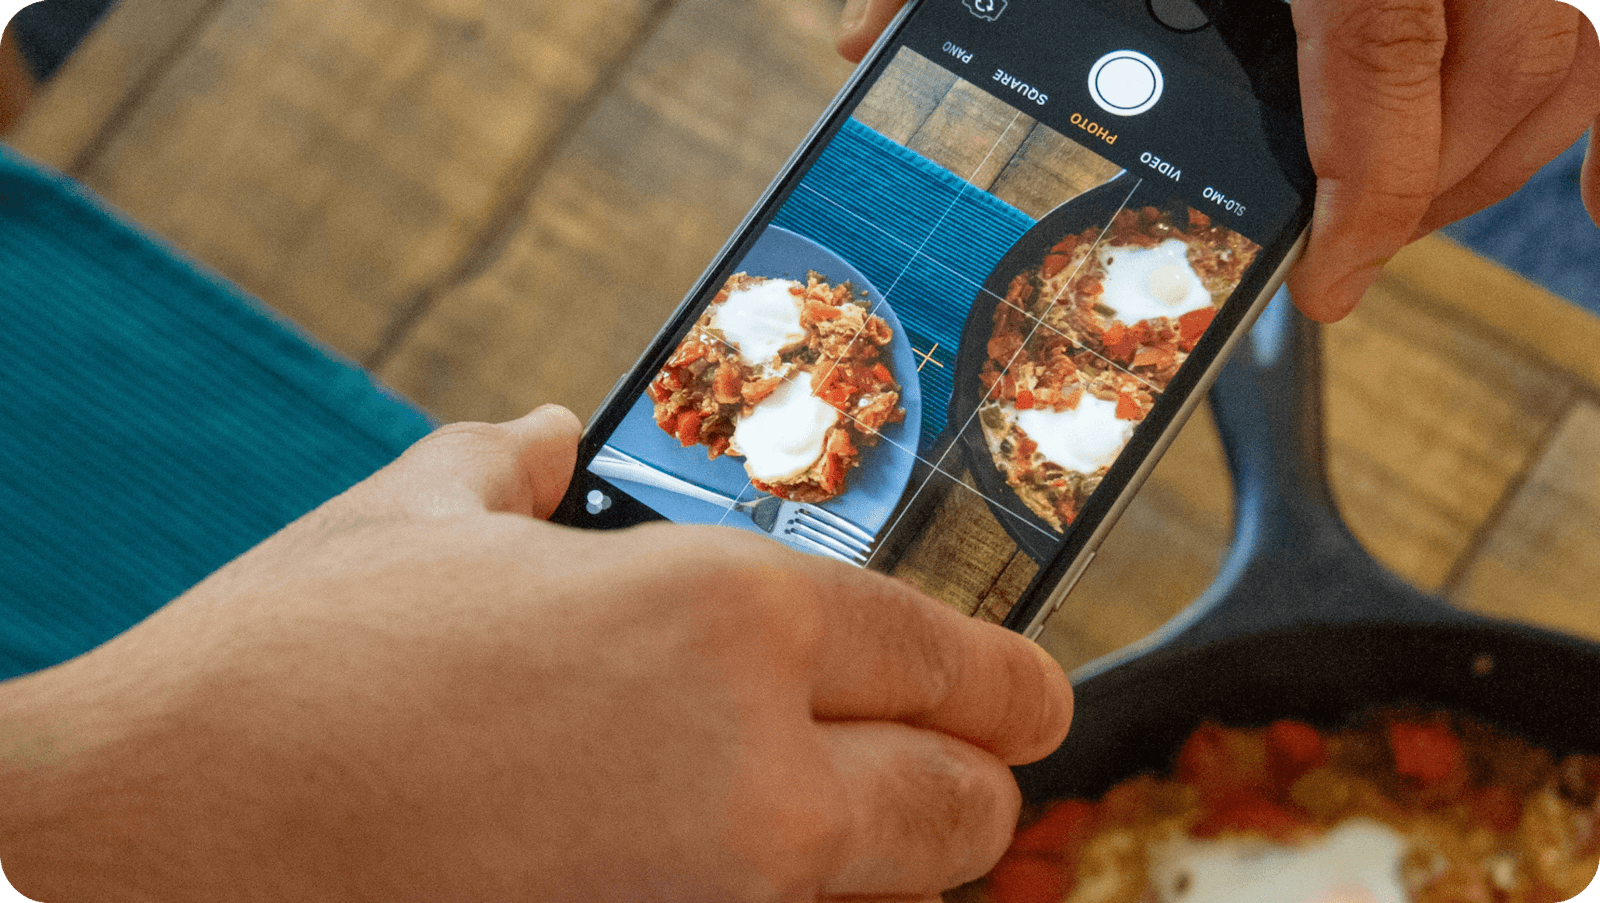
(807, 526)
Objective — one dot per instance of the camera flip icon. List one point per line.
(986, 9)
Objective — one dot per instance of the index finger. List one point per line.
(1371, 90)
(894, 654)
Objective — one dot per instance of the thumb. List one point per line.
(519, 467)
(861, 23)
(1370, 75)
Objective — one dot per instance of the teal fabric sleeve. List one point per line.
(925, 238)
(155, 421)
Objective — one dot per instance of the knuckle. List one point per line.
(474, 439)
(969, 805)
(1549, 46)
(937, 661)
(1028, 709)
(756, 587)
(1399, 42)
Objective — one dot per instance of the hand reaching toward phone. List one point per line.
(1421, 112)
(419, 691)
(1418, 113)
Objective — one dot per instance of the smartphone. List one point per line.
(964, 322)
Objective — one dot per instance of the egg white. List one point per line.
(1141, 283)
(761, 321)
(1083, 439)
(1360, 860)
(784, 435)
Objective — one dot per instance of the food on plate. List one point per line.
(1406, 807)
(1085, 341)
(793, 377)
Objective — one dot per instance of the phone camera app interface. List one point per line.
(1125, 83)
(986, 9)
(949, 329)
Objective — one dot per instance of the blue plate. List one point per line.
(874, 487)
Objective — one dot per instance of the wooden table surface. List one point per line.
(493, 203)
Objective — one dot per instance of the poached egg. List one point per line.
(1357, 862)
(1083, 439)
(784, 435)
(760, 321)
(1141, 283)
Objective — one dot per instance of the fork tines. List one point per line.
(831, 534)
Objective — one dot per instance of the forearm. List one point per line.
(97, 793)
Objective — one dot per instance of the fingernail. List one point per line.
(854, 12)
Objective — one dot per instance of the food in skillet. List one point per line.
(792, 377)
(1084, 342)
(1426, 808)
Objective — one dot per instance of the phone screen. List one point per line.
(946, 339)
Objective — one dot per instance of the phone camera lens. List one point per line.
(1178, 15)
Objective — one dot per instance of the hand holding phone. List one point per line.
(978, 303)
(1409, 135)
(392, 699)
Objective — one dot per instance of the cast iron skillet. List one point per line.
(1092, 209)
(1301, 622)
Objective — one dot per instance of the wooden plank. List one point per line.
(1541, 562)
(1431, 419)
(908, 92)
(1048, 169)
(629, 213)
(340, 158)
(133, 45)
(962, 551)
(971, 134)
(980, 138)
(17, 87)
(1547, 327)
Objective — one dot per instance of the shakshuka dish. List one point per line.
(792, 377)
(1084, 342)
(1407, 807)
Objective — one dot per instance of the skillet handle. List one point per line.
(1267, 403)
(1293, 562)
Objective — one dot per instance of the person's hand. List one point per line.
(1421, 112)
(1418, 113)
(421, 692)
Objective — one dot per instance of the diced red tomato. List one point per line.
(817, 310)
(688, 429)
(1426, 753)
(1497, 809)
(1053, 264)
(838, 396)
(1027, 879)
(882, 374)
(1293, 748)
(1192, 325)
(1024, 400)
(1127, 407)
(1222, 765)
(1119, 344)
(1063, 826)
(1251, 813)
